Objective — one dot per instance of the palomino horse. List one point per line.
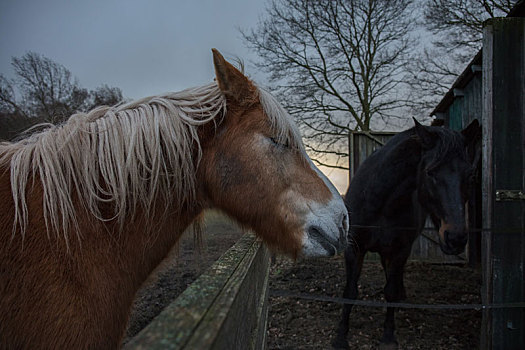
(91, 207)
(421, 171)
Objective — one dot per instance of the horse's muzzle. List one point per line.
(332, 245)
(326, 238)
(453, 242)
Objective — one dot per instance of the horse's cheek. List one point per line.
(229, 171)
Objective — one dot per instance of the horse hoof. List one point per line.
(388, 346)
(340, 343)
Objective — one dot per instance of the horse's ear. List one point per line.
(426, 138)
(472, 133)
(231, 81)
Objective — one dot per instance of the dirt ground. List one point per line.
(301, 324)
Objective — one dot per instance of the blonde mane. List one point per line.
(127, 156)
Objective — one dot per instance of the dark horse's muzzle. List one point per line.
(452, 240)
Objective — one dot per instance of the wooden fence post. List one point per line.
(225, 308)
(503, 247)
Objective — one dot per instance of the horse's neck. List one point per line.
(145, 247)
(98, 276)
(121, 264)
(398, 167)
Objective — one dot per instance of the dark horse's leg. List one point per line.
(353, 266)
(394, 292)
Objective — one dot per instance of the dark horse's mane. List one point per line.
(405, 149)
(449, 144)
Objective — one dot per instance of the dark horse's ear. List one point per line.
(426, 138)
(231, 81)
(472, 133)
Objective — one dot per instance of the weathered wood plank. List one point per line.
(231, 321)
(504, 162)
(225, 305)
(487, 186)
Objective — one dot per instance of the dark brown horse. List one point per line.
(91, 207)
(421, 171)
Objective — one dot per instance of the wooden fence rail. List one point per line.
(225, 308)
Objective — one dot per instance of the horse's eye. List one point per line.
(275, 141)
(431, 176)
(471, 175)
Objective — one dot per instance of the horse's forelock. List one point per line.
(448, 144)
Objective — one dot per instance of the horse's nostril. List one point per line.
(455, 239)
(345, 222)
(322, 238)
(343, 232)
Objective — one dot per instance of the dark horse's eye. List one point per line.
(431, 176)
(470, 176)
(430, 173)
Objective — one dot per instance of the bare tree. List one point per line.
(456, 31)
(8, 104)
(103, 96)
(48, 91)
(13, 124)
(337, 65)
(461, 21)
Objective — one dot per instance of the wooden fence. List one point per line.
(362, 144)
(225, 308)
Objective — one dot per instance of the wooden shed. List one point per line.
(492, 89)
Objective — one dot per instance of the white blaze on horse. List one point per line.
(91, 207)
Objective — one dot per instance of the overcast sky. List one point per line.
(143, 47)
